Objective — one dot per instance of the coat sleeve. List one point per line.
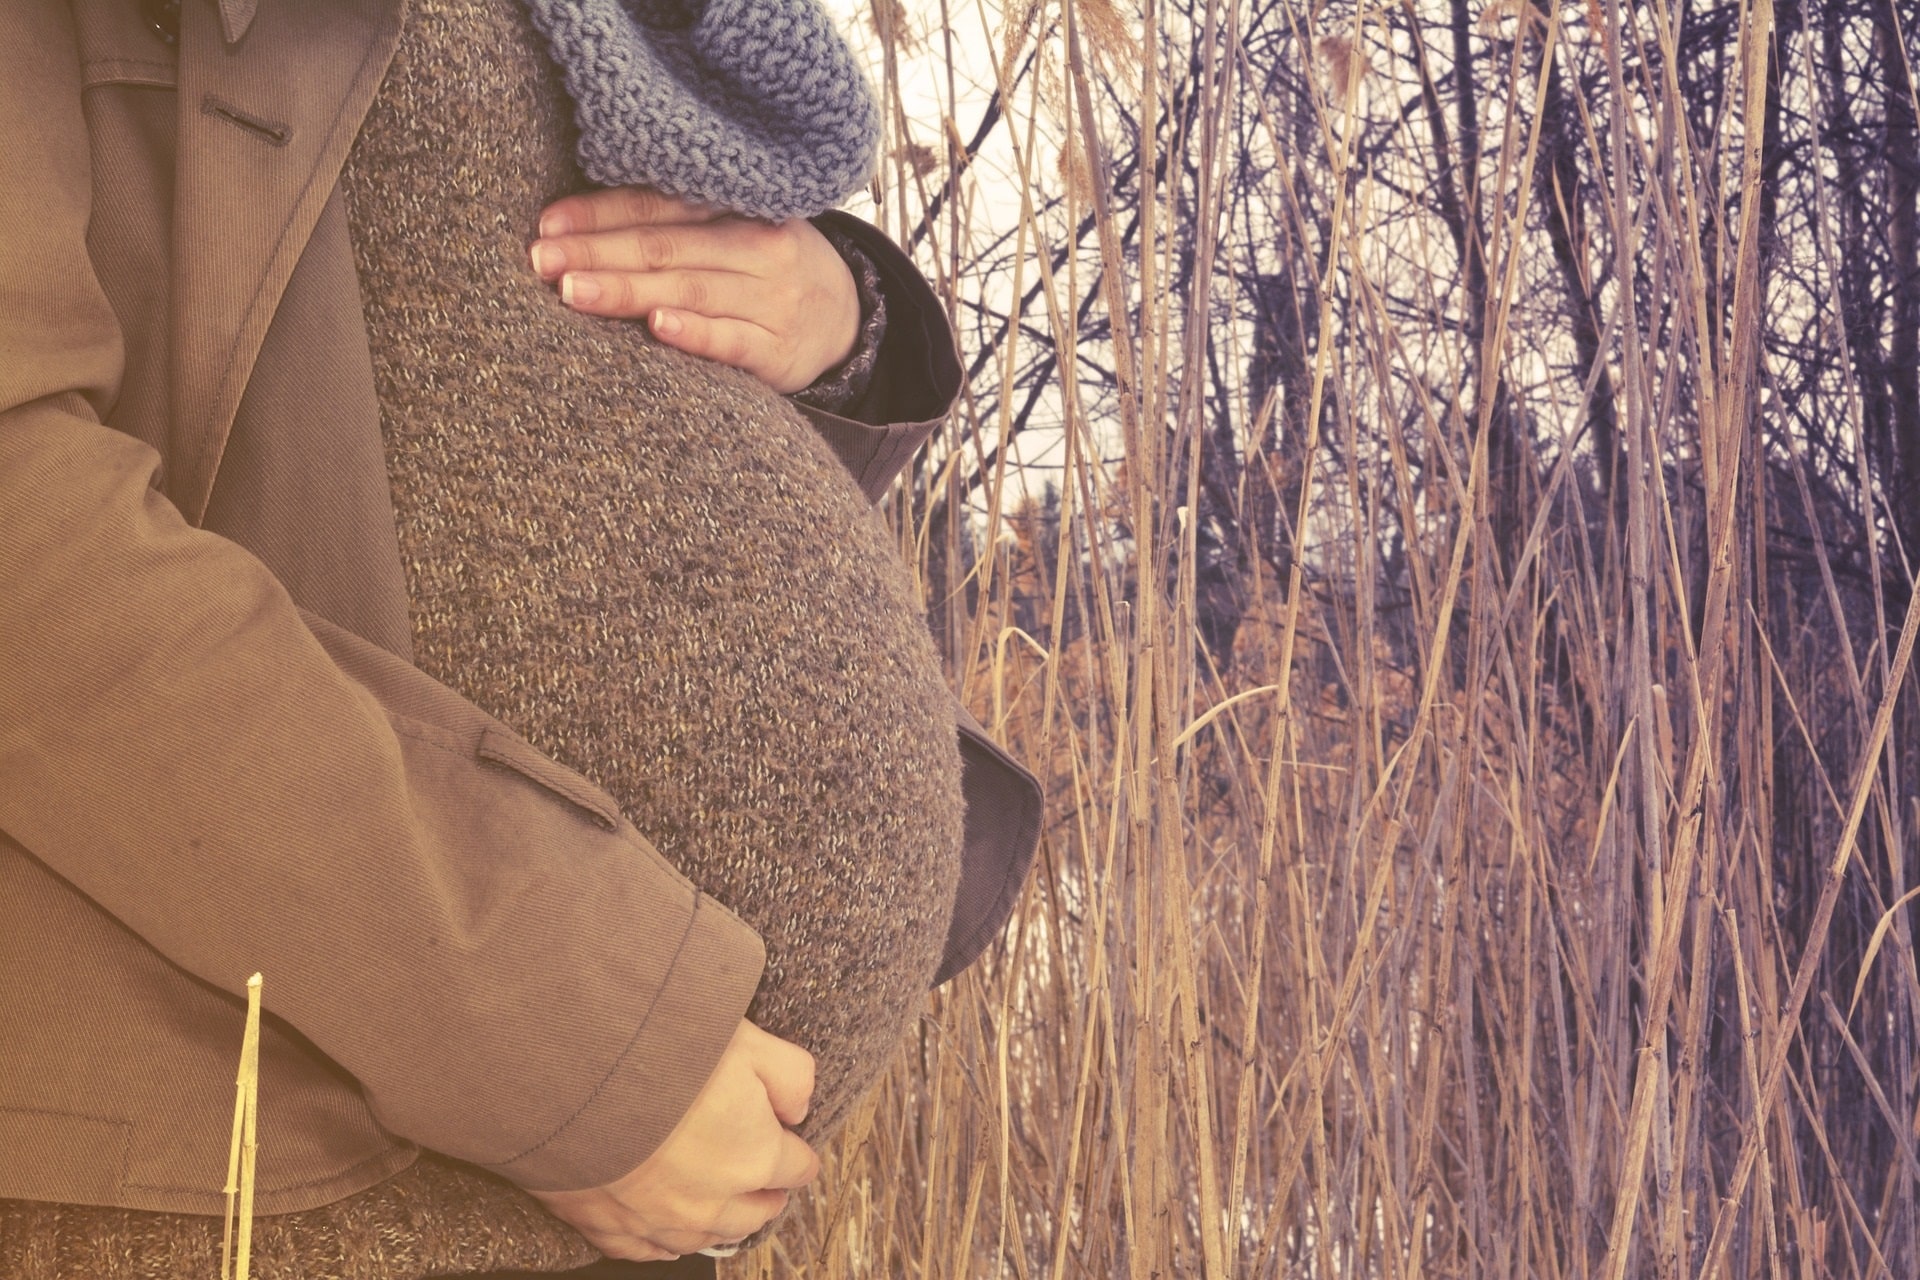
(506, 967)
(916, 377)
(916, 373)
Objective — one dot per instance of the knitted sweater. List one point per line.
(434, 1218)
(649, 564)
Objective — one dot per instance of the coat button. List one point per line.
(164, 17)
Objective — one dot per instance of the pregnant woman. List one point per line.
(474, 640)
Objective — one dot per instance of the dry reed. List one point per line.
(1522, 889)
(243, 1152)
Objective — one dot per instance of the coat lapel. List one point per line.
(266, 120)
(235, 17)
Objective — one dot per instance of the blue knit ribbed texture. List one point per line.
(753, 105)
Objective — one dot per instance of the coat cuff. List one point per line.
(604, 1029)
(648, 1089)
(1005, 808)
(916, 375)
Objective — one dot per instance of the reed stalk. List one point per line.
(1522, 884)
(236, 1245)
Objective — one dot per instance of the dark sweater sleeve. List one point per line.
(845, 385)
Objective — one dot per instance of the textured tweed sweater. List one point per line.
(648, 564)
(651, 567)
(435, 1218)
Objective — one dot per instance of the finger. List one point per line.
(620, 207)
(744, 1215)
(633, 295)
(795, 1166)
(629, 1247)
(739, 343)
(721, 244)
(785, 1068)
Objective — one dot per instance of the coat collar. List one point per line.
(235, 17)
(264, 126)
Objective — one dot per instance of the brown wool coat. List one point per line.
(214, 755)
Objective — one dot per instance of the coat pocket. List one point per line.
(64, 1156)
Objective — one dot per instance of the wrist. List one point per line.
(847, 381)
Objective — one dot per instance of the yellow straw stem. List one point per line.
(244, 1151)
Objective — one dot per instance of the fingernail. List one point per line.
(554, 224)
(665, 323)
(577, 290)
(548, 260)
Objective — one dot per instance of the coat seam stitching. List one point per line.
(98, 72)
(231, 359)
(347, 1172)
(626, 1050)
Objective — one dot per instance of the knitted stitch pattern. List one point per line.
(434, 1218)
(649, 564)
(753, 105)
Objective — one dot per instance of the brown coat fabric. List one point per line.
(214, 755)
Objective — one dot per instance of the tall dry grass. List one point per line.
(1464, 919)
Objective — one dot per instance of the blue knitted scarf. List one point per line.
(754, 105)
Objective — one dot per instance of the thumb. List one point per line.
(786, 1070)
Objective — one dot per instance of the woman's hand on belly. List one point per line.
(774, 299)
(725, 1170)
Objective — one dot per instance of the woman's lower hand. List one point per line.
(774, 299)
(722, 1174)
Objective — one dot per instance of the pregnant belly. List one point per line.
(697, 611)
